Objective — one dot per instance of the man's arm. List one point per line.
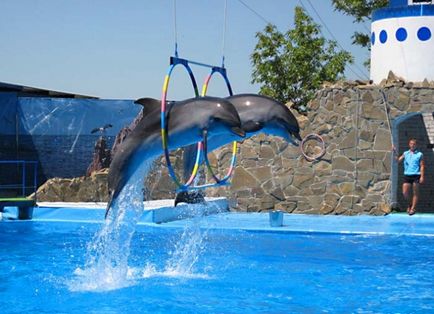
(396, 156)
(422, 170)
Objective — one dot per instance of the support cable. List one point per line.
(386, 110)
(224, 33)
(255, 12)
(356, 145)
(361, 74)
(175, 28)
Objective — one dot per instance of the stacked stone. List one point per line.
(353, 177)
(91, 188)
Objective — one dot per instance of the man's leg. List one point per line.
(415, 198)
(406, 193)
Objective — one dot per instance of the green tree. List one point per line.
(291, 66)
(361, 10)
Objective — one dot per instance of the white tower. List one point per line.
(402, 40)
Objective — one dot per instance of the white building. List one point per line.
(402, 40)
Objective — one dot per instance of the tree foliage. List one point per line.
(291, 66)
(361, 10)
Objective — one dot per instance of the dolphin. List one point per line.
(258, 114)
(187, 121)
(262, 114)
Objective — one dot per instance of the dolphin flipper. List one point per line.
(252, 126)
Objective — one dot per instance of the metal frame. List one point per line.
(23, 186)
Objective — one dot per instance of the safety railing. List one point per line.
(18, 178)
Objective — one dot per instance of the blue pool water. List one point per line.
(226, 263)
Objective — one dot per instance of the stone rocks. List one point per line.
(243, 179)
(353, 177)
(91, 188)
(101, 157)
(382, 140)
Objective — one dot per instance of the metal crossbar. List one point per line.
(22, 186)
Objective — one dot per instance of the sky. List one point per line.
(117, 49)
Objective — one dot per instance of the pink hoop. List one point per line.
(317, 138)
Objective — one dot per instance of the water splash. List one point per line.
(106, 266)
(151, 271)
(189, 248)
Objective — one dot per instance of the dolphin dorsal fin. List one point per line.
(148, 104)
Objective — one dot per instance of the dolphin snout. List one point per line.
(297, 136)
(238, 131)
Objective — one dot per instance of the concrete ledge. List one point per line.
(155, 211)
(395, 224)
(169, 213)
(24, 207)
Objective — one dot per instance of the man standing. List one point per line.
(414, 169)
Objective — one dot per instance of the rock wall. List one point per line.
(91, 188)
(356, 175)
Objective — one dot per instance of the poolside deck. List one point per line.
(159, 211)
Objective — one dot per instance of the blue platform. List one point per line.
(155, 211)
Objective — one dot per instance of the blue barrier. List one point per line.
(21, 186)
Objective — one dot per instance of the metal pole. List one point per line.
(35, 178)
(24, 179)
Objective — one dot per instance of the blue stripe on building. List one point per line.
(403, 11)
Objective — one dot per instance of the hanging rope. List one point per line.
(224, 33)
(386, 110)
(389, 198)
(175, 30)
(201, 146)
(356, 145)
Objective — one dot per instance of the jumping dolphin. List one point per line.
(262, 114)
(258, 114)
(186, 120)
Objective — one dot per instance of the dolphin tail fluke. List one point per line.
(194, 197)
(109, 205)
(107, 211)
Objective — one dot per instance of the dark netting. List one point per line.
(59, 133)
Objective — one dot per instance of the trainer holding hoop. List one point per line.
(414, 171)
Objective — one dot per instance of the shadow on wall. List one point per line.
(421, 127)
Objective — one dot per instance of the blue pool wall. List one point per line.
(218, 217)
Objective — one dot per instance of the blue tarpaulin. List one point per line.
(57, 131)
(72, 117)
(8, 110)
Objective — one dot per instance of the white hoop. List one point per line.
(318, 139)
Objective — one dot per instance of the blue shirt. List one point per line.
(412, 162)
